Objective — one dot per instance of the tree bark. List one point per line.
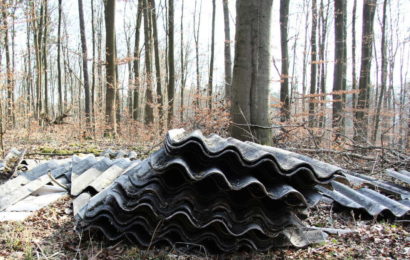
(85, 65)
(135, 105)
(354, 83)
(149, 110)
(211, 62)
(183, 77)
(196, 40)
(313, 65)
(284, 85)
(227, 51)
(9, 74)
(383, 79)
(361, 118)
(171, 67)
(251, 75)
(339, 73)
(157, 61)
(111, 84)
(60, 91)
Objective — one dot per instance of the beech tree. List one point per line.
(360, 122)
(110, 66)
(284, 84)
(339, 73)
(251, 73)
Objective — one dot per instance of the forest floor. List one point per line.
(49, 233)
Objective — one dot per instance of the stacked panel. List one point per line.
(223, 194)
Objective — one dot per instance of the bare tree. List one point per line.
(251, 75)
(111, 84)
(354, 83)
(85, 65)
(383, 79)
(196, 27)
(211, 62)
(313, 64)
(136, 68)
(171, 62)
(183, 62)
(369, 7)
(156, 59)
(60, 90)
(227, 51)
(149, 110)
(339, 72)
(284, 83)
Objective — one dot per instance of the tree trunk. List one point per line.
(93, 66)
(211, 63)
(313, 65)
(361, 118)
(135, 105)
(60, 91)
(339, 73)
(149, 110)
(44, 56)
(85, 65)
(111, 84)
(251, 75)
(182, 63)
(196, 40)
(284, 85)
(354, 83)
(9, 74)
(157, 62)
(383, 79)
(171, 67)
(227, 50)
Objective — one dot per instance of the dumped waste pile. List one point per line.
(219, 193)
(223, 194)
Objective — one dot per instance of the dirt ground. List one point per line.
(49, 233)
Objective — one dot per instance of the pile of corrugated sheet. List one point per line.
(223, 194)
(374, 197)
(49, 181)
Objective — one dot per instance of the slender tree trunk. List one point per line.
(361, 118)
(251, 75)
(305, 50)
(135, 105)
(227, 50)
(182, 62)
(196, 40)
(60, 91)
(339, 72)
(157, 63)
(323, 17)
(211, 63)
(171, 67)
(383, 79)
(44, 56)
(284, 85)
(9, 75)
(313, 65)
(93, 65)
(85, 65)
(111, 84)
(354, 83)
(149, 110)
